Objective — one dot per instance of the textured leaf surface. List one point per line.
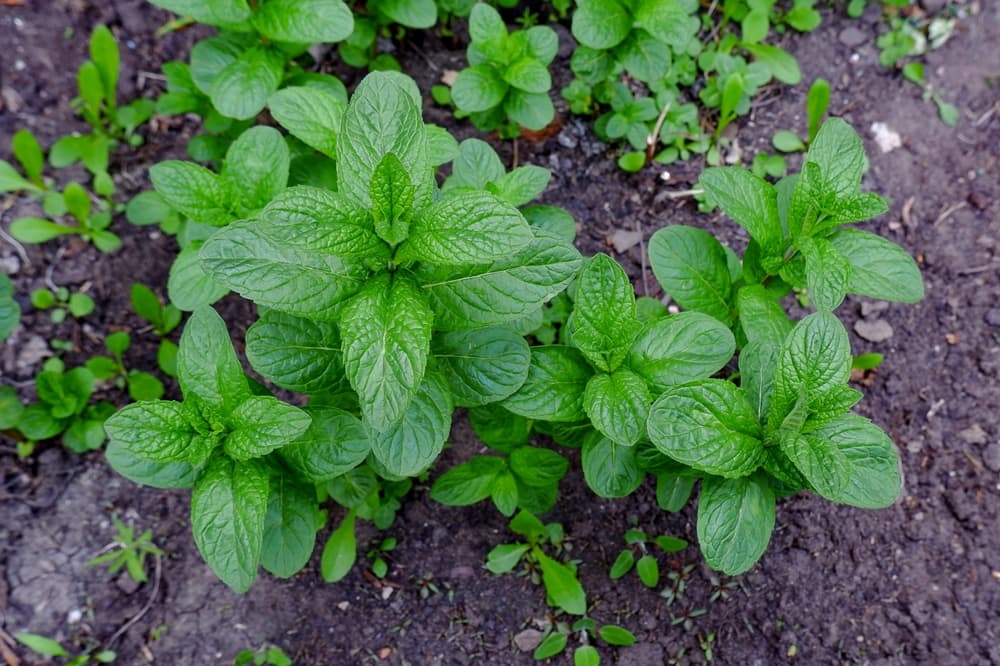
(610, 469)
(618, 404)
(735, 521)
(289, 527)
(295, 353)
(604, 322)
(681, 348)
(878, 267)
(482, 365)
(691, 266)
(414, 442)
(304, 21)
(554, 389)
(206, 362)
(262, 424)
(335, 443)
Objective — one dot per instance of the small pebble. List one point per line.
(974, 434)
(993, 317)
(978, 200)
(528, 640)
(991, 456)
(875, 330)
(852, 37)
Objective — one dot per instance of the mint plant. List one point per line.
(10, 309)
(507, 82)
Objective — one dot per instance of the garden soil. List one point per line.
(915, 583)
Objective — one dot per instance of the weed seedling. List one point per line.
(127, 550)
(646, 566)
(587, 631)
(265, 655)
(10, 309)
(141, 385)
(48, 647)
(61, 302)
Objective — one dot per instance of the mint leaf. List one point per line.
(681, 348)
(137, 469)
(289, 526)
(210, 56)
(212, 12)
(188, 285)
(604, 322)
(498, 428)
(256, 166)
(207, 366)
(562, 587)
(309, 114)
(479, 88)
(482, 365)
(157, 432)
(691, 266)
(782, 65)
(601, 24)
(840, 155)
(827, 272)
(522, 185)
(194, 191)
(485, 24)
(261, 424)
(750, 201)
(618, 405)
(552, 220)
(294, 353)
(410, 13)
(340, 551)
(667, 20)
(761, 316)
(610, 469)
(537, 467)
(758, 362)
(735, 521)
(673, 492)
(554, 389)
(466, 228)
(879, 268)
(528, 75)
(334, 443)
(414, 442)
(709, 425)
(475, 166)
(386, 332)
(531, 110)
(228, 507)
(391, 195)
(509, 288)
(505, 493)
(271, 272)
(241, 89)
(469, 483)
(304, 21)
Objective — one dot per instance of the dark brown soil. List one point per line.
(916, 583)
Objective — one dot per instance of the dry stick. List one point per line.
(51, 269)
(145, 609)
(678, 194)
(947, 212)
(654, 137)
(6, 643)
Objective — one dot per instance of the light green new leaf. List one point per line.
(414, 442)
(391, 193)
(149, 473)
(476, 165)
(294, 353)
(420, 14)
(681, 348)
(617, 405)
(105, 56)
(555, 386)
(601, 24)
(311, 115)
(709, 425)
(340, 551)
(304, 21)
(256, 166)
(188, 285)
(228, 507)
(12, 181)
(750, 201)
(827, 272)
(735, 521)
(562, 587)
(815, 358)
(194, 191)
(503, 558)
(669, 21)
(485, 24)
(157, 432)
(335, 443)
(878, 267)
(289, 526)
(523, 184)
(242, 88)
(531, 110)
(528, 75)
(783, 65)
(482, 365)
(386, 332)
(262, 424)
(479, 88)
(604, 322)
(610, 469)
(206, 363)
(691, 266)
(212, 12)
(838, 151)
(761, 316)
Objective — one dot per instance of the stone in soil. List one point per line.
(974, 434)
(991, 456)
(852, 37)
(876, 330)
(528, 640)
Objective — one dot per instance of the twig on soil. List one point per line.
(6, 643)
(145, 609)
(907, 207)
(680, 194)
(17, 246)
(948, 212)
(654, 136)
(990, 112)
(979, 269)
(51, 269)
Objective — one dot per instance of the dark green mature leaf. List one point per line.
(352, 489)
(469, 483)
(604, 322)
(335, 443)
(340, 551)
(242, 88)
(386, 331)
(761, 316)
(414, 442)
(228, 508)
(391, 192)
(158, 432)
(509, 288)
(691, 266)
(816, 357)
(194, 191)
(838, 151)
(212, 12)
(479, 88)
(485, 24)
(709, 425)
(271, 272)
(673, 492)
(551, 219)
(261, 424)
(311, 115)
(384, 117)
(505, 493)
(482, 365)
(498, 428)
(304, 21)
(207, 366)
(297, 354)
(750, 201)
(10, 406)
(668, 21)
(554, 389)
(289, 526)
(610, 469)
(827, 272)
(735, 521)
(537, 467)
(758, 362)
(618, 404)
(466, 228)
(256, 166)
(601, 24)
(681, 348)
(411, 13)
(878, 267)
(562, 587)
(189, 286)
(503, 558)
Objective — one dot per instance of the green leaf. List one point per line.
(817, 103)
(750, 201)
(622, 564)
(149, 473)
(241, 89)
(586, 655)
(531, 110)
(297, 354)
(37, 230)
(352, 489)
(555, 386)
(412, 444)
(468, 483)
(213, 12)
(189, 287)
(669, 21)
(691, 266)
(410, 13)
(840, 155)
(144, 386)
(610, 469)
(304, 21)
(479, 88)
(261, 424)
(827, 272)
(648, 570)
(781, 63)
(273, 273)
(523, 184)
(29, 153)
(617, 405)
(735, 521)
(601, 24)
(476, 165)
(709, 425)
(552, 220)
(41, 644)
(498, 428)
(391, 193)
(12, 181)
(482, 365)
(681, 348)
(10, 407)
(503, 558)
(673, 492)
(384, 116)
(37, 423)
(228, 509)
(485, 24)
(206, 363)
(615, 635)
(509, 288)
(758, 363)
(878, 267)
(761, 316)
(505, 493)
(194, 191)
(309, 114)
(604, 322)
(104, 54)
(386, 332)
(754, 26)
(256, 166)
(787, 142)
(340, 551)
(335, 443)
(562, 587)
(537, 467)
(289, 527)
(528, 75)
